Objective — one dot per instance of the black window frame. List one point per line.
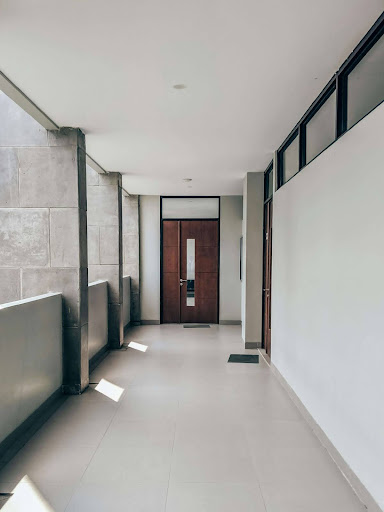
(267, 173)
(338, 83)
(295, 133)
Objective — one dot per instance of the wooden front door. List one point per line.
(267, 276)
(190, 271)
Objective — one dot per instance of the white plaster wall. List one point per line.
(150, 258)
(328, 294)
(97, 317)
(231, 214)
(252, 283)
(30, 357)
(126, 300)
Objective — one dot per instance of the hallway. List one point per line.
(190, 433)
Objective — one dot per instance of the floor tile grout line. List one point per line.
(173, 447)
(91, 459)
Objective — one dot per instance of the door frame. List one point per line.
(269, 202)
(161, 247)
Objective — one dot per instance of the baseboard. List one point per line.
(98, 357)
(230, 322)
(23, 433)
(150, 322)
(360, 490)
(252, 344)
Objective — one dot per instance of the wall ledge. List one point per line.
(95, 283)
(26, 301)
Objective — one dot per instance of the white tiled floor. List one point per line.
(191, 433)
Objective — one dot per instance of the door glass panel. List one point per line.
(190, 271)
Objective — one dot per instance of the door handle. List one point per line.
(183, 280)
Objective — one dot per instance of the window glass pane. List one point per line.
(291, 160)
(268, 190)
(366, 84)
(321, 129)
(190, 208)
(190, 272)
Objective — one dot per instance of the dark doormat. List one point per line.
(4, 497)
(243, 358)
(196, 326)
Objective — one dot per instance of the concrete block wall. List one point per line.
(43, 240)
(105, 251)
(97, 317)
(131, 252)
(126, 301)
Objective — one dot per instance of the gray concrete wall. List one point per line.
(252, 284)
(30, 357)
(97, 317)
(126, 301)
(105, 244)
(150, 259)
(231, 214)
(131, 252)
(43, 242)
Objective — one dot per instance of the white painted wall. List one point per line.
(328, 294)
(97, 317)
(252, 283)
(30, 357)
(150, 258)
(126, 300)
(231, 215)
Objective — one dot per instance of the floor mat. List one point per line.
(196, 326)
(243, 358)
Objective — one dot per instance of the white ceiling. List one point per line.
(252, 67)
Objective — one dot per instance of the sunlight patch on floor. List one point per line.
(137, 346)
(27, 498)
(110, 390)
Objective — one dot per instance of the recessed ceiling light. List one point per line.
(179, 86)
(187, 180)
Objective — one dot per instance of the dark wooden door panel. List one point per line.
(206, 259)
(171, 272)
(170, 259)
(171, 311)
(206, 286)
(205, 231)
(175, 234)
(171, 285)
(207, 312)
(170, 233)
(267, 279)
(205, 307)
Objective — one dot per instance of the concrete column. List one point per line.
(43, 241)
(105, 241)
(131, 252)
(252, 284)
